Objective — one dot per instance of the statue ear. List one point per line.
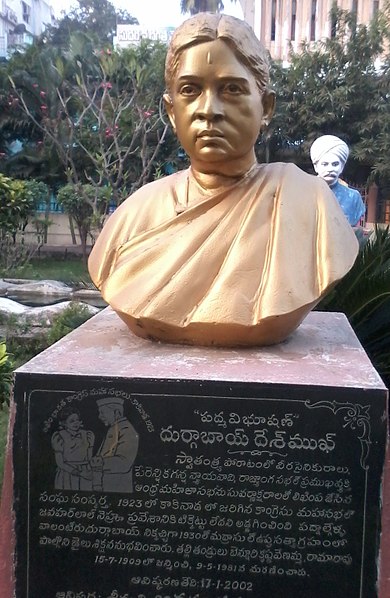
(169, 108)
(268, 101)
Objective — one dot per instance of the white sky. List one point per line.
(152, 13)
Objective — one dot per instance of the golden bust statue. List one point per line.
(229, 252)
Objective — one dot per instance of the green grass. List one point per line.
(69, 269)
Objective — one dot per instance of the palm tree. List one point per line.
(195, 6)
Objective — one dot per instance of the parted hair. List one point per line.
(65, 413)
(206, 27)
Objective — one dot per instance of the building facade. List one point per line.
(21, 21)
(281, 22)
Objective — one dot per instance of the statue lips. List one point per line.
(210, 133)
(210, 137)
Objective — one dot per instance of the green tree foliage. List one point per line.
(35, 157)
(75, 106)
(85, 114)
(195, 6)
(340, 87)
(18, 202)
(87, 205)
(97, 110)
(70, 318)
(6, 368)
(97, 18)
(22, 342)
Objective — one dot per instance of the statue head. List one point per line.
(218, 99)
(329, 155)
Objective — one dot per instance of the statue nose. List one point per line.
(210, 105)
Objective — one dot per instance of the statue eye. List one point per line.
(232, 88)
(189, 90)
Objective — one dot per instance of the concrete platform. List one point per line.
(324, 351)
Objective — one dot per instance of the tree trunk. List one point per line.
(83, 232)
(47, 214)
(71, 228)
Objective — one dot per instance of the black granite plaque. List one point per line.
(184, 489)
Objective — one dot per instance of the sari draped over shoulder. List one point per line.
(241, 265)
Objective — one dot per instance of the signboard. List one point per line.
(132, 34)
(195, 489)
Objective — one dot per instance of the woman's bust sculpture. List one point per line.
(229, 252)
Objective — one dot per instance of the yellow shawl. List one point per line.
(242, 265)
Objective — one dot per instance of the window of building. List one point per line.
(273, 20)
(26, 10)
(293, 19)
(333, 20)
(313, 20)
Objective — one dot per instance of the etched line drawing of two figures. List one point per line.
(110, 469)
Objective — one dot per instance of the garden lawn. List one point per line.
(65, 269)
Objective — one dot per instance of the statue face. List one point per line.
(329, 167)
(217, 109)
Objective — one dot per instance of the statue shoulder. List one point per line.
(158, 188)
(290, 174)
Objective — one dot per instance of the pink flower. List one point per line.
(35, 85)
(42, 94)
(43, 107)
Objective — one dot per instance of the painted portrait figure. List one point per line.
(228, 252)
(329, 155)
(72, 447)
(112, 465)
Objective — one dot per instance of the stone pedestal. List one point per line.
(198, 471)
